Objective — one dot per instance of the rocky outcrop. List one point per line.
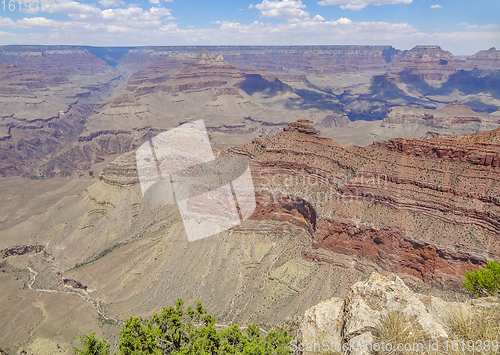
(453, 120)
(430, 216)
(121, 172)
(74, 284)
(335, 121)
(350, 325)
(202, 71)
(199, 71)
(429, 63)
(21, 250)
(470, 149)
(440, 265)
(426, 54)
(301, 126)
(488, 59)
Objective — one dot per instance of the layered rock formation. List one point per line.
(302, 59)
(121, 172)
(472, 151)
(453, 120)
(327, 215)
(425, 215)
(429, 63)
(46, 94)
(59, 62)
(487, 59)
(203, 71)
(66, 97)
(311, 59)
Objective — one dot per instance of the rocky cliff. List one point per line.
(46, 94)
(383, 309)
(424, 207)
(429, 63)
(202, 70)
(455, 119)
(422, 214)
(77, 104)
(487, 59)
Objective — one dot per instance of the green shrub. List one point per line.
(93, 346)
(484, 282)
(177, 331)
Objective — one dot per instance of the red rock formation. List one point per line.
(472, 149)
(302, 126)
(431, 215)
(440, 265)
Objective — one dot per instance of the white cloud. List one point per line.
(435, 6)
(90, 20)
(6, 22)
(490, 27)
(111, 3)
(159, 1)
(286, 9)
(460, 38)
(306, 31)
(35, 22)
(74, 7)
(463, 23)
(133, 25)
(132, 16)
(485, 27)
(361, 4)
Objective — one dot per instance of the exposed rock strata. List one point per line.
(55, 88)
(425, 215)
(471, 149)
(423, 63)
(121, 172)
(282, 59)
(429, 217)
(487, 59)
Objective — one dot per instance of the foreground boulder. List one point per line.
(349, 325)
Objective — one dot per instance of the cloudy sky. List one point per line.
(460, 26)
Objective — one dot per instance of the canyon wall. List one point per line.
(408, 205)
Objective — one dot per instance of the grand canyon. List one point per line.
(363, 159)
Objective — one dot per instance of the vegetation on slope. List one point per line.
(188, 332)
(484, 282)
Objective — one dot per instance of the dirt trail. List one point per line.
(34, 273)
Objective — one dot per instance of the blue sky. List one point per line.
(460, 26)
